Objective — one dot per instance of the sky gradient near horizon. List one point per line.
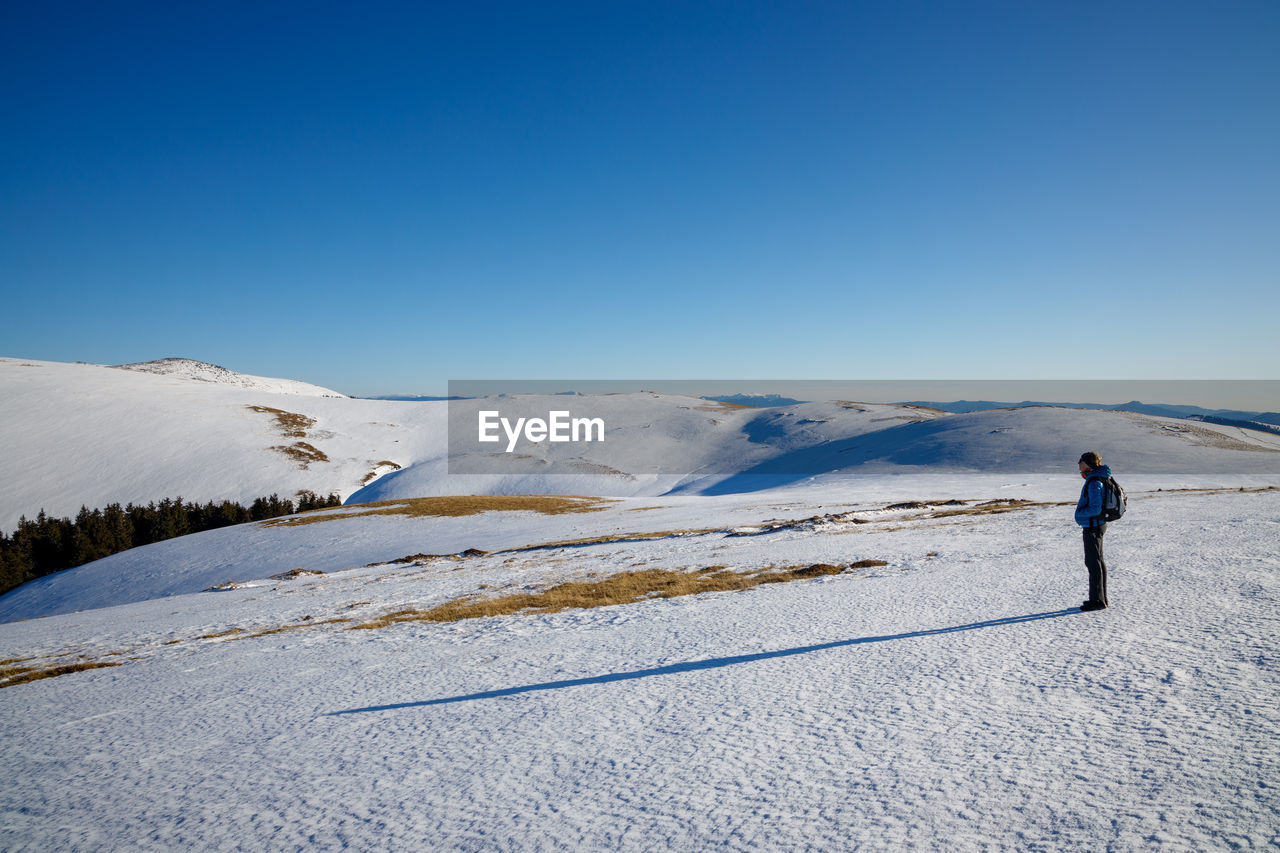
(381, 197)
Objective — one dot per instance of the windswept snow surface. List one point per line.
(952, 699)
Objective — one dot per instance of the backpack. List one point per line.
(1113, 500)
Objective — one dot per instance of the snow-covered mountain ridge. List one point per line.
(75, 434)
(200, 371)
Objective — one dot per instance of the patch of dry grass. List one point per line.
(229, 632)
(995, 507)
(421, 559)
(294, 574)
(454, 505)
(291, 424)
(215, 635)
(799, 524)
(248, 634)
(373, 475)
(14, 675)
(613, 538)
(302, 453)
(622, 588)
(307, 622)
(11, 669)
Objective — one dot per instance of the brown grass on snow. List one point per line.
(453, 505)
(302, 453)
(613, 538)
(307, 622)
(995, 507)
(622, 588)
(373, 475)
(13, 675)
(291, 424)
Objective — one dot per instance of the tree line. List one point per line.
(47, 545)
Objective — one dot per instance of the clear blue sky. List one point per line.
(378, 197)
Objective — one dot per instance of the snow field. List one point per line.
(952, 701)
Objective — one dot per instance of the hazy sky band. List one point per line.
(1247, 395)
(376, 197)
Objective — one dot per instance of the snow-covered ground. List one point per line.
(952, 699)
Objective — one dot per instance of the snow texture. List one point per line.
(953, 699)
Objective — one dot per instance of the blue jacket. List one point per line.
(1089, 507)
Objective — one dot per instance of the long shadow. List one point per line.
(710, 663)
(902, 445)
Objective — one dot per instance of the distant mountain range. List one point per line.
(1226, 417)
(409, 398)
(756, 401)
(1265, 421)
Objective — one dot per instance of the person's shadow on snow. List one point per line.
(710, 663)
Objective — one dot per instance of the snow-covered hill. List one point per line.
(81, 434)
(654, 444)
(1036, 439)
(200, 371)
(77, 434)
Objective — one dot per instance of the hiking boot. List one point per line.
(1093, 605)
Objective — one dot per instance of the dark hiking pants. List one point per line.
(1094, 562)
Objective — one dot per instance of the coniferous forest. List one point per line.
(47, 545)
